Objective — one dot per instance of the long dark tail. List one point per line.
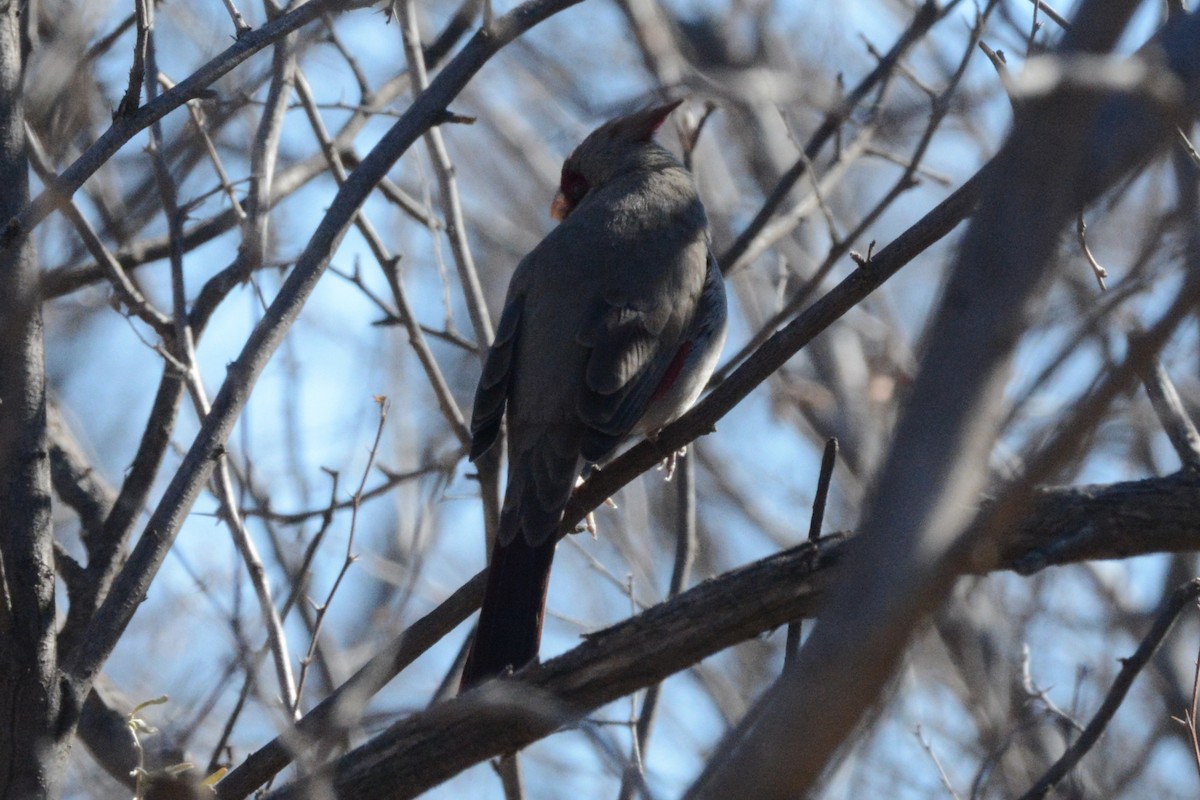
(514, 602)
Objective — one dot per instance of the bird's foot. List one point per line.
(669, 463)
(589, 522)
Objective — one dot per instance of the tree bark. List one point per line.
(1065, 525)
(31, 751)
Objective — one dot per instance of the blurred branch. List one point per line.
(1092, 323)
(199, 122)
(1180, 429)
(654, 30)
(458, 24)
(926, 17)
(75, 481)
(1061, 155)
(264, 151)
(397, 196)
(787, 221)
(940, 105)
(1067, 440)
(125, 290)
(126, 127)
(388, 264)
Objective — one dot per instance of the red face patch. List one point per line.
(573, 186)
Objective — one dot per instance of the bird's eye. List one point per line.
(573, 186)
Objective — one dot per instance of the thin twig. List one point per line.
(940, 108)
(144, 15)
(350, 558)
(389, 264)
(392, 480)
(1130, 668)
(240, 26)
(455, 225)
(685, 553)
(927, 746)
(821, 498)
(1046, 9)
(1171, 413)
(1189, 716)
(1081, 236)
(184, 350)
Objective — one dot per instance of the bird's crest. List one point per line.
(640, 126)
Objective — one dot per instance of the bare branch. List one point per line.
(130, 586)
(1065, 526)
(1130, 668)
(503, 716)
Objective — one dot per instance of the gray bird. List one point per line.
(611, 328)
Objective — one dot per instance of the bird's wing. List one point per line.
(492, 393)
(632, 344)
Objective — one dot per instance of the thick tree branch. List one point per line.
(33, 747)
(1066, 525)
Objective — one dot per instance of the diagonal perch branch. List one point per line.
(1065, 526)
